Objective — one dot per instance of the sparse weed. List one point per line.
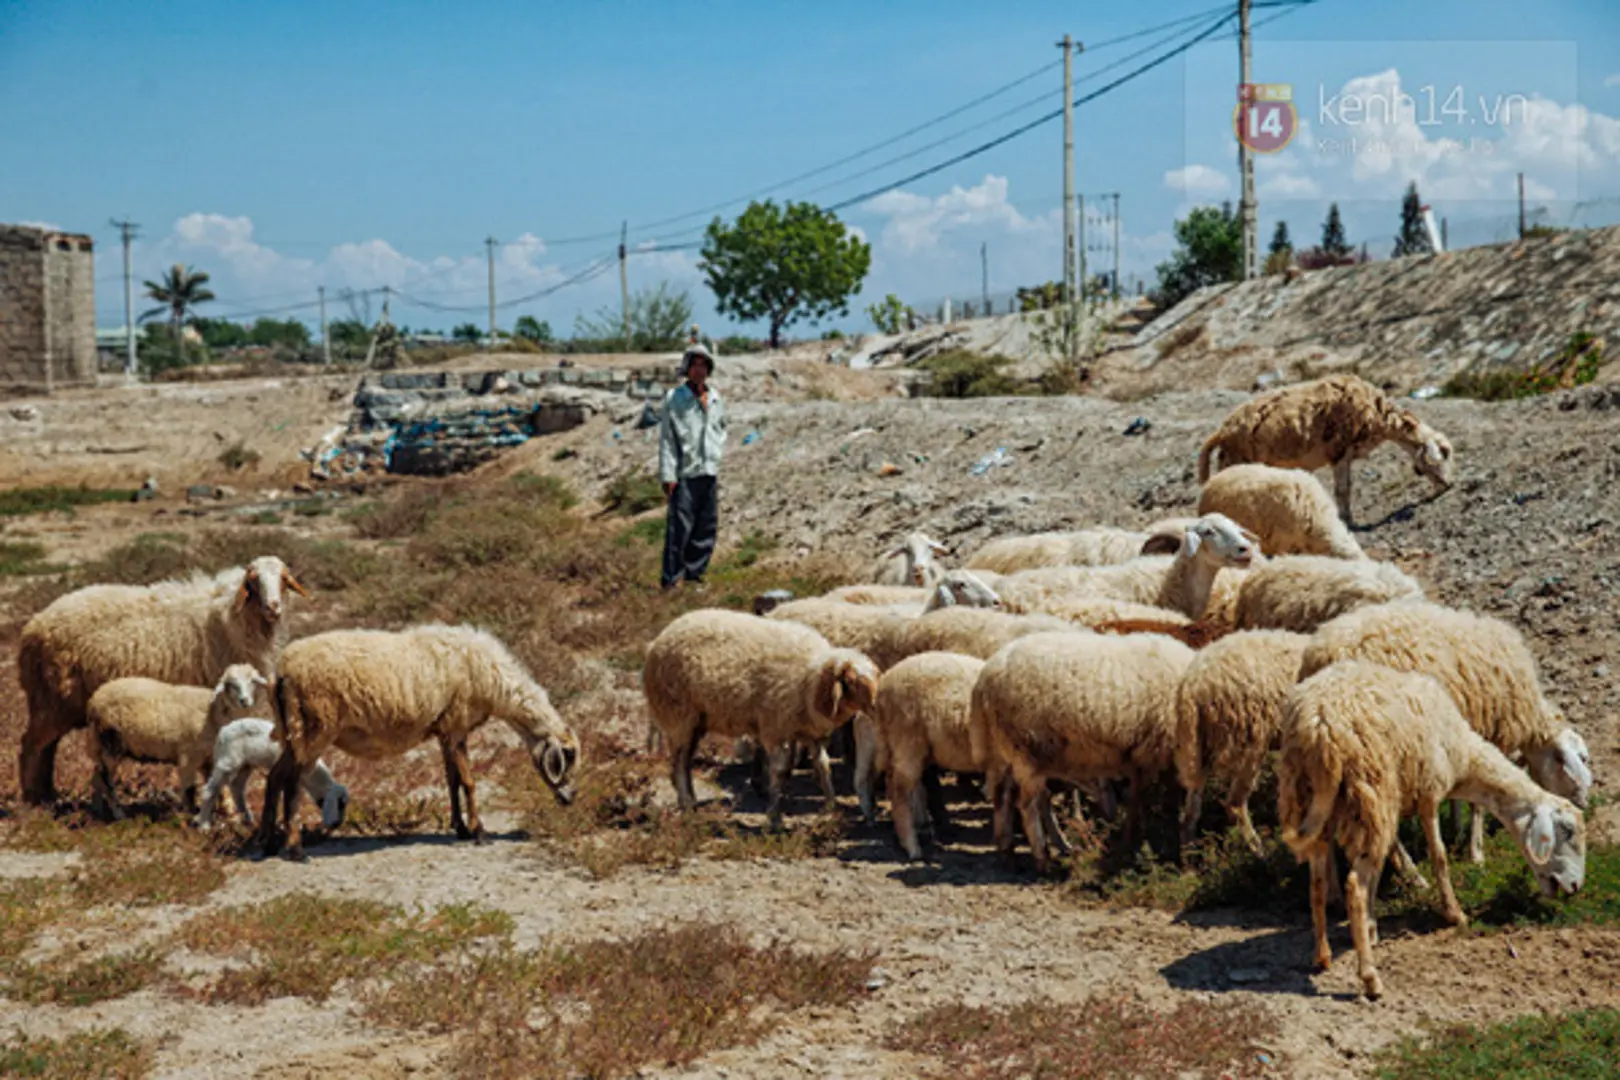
(40, 500)
(106, 1054)
(634, 491)
(239, 456)
(1570, 1046)
(23, 558)
(87, 982)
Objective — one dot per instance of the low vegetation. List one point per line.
(958, 373)
(1109, 1037)
(239, 456)
(1571, 1046)
(1576, 364)
(16, 502)
(106, 1054)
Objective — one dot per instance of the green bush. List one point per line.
(635, 491)
(40, 500)
(961, 374)
(1576, 364)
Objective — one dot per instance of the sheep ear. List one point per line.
(938, 548)
(1192, 542)
(260, 680)
(241, 596)
(860, 690)
(894, 551)
(943, 596)
(292, 583)
(1250, 536)
(1161, 544)
(1538, 842)
(829, 690)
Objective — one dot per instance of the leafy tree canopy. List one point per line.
(1209, 250)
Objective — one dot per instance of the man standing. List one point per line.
(691, 437)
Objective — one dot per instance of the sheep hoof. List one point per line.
(1321, 963)
(479, 837)
(295, 855)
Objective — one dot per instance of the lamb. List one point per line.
(1288, 509)
(1328, 421)
(910, 562)
(1101, 546)
(974, 588)
(1362, 746)
(1183, 582)
(723, 673)
(376, 694)
(150, 721)
(1486, 667)
(248, 744)
(1076, 707)
(1229, 708)
(1301, 592)
(181, 632)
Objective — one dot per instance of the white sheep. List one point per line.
(922, 719)
(724, 673)
(376, 694)
(248, 744)
(1328, 421)
(1490, 673)
(1364, 745)
(150, 721)
(1076, 707)
(1183, 582)
(181, 632)
(974, 588)
(1301, 592)
(1229, 708)
(1104, 545)
(910, 562)
(1289, 510)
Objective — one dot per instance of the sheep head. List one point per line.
(965, 589)
(1553, 837)
(555, 758)
(918, 550)
(240, 685)
(262, 583)
(846, 683)
(1219, 539)
(1564, 766)
(334, 806)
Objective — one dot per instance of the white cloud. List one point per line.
(918, 223)
(1198, 181)
(1288, 185)
(48, 226)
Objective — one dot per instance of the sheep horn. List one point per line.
(292, 583)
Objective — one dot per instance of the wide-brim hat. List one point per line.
(696, 350)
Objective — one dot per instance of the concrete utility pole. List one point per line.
(1080, 271)
(1115, 197)
(1248, 214)
(326, 339)
(1069, 292)
(624, 282)
(984, 275)
(126, 229)
(489, 244)
(1521, 206)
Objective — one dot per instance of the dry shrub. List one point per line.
(137, 862)
(27, 906)
(106, 1054)
(86, 982)
(611, 1008)
(1113, 1037)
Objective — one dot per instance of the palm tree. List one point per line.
(181, 289)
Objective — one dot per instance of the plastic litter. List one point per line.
(1138, 426)
(751, 438)
(1424, 393)
(995, 458)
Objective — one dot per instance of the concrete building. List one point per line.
(47, 308)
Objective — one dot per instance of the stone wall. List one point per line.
(47, 308)
(433, 423)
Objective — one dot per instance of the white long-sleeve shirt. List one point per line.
(691, 438)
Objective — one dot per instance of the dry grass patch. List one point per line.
(107, 1054)
(62, 981)
(1113, 1037)
(611, 1008)
(137, 862)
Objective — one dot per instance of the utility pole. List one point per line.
(1247, 212)
(624, 282)
(1116, 246)
(1069, 291)
(1080, 271)
(126, 229)
(326, 339)
(1521, 206)
(489, 243)
(984, 274)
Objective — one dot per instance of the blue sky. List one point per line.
(282, 146)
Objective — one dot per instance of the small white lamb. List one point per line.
(248, 744)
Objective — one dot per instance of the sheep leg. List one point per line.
(210, 796)
(939, 817)
(822, 767)
(1133, 828)
(1342, 470)
(1030, 800)
(474, 826)
(1000, 783)
(1321, 876)
(781, 764)
(1363, 872)
(1476, 834)
(680, 770)
(1192, 808)
(104, 796)
(452, 780)
(759, 774)
(902, 809)
(291, 790)
(1054, 829)
(1450, 909)
(1407, 868)
(866, 754)
(239, 784)
(36, 758)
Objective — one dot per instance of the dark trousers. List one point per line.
(689, 535)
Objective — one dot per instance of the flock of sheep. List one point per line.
(1074, 660)
(1063, 660)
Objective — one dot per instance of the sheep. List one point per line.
(723, 673)
(150, 721)
(974, 588)
(247, 744)
(766, 601)
(1486, 667)
(910, 562)
(1183, 582)
(1228, 714)
(376, 694)
(1092, 612)
(1075, 707)
(1101, 546)
(1364, 745)
(1288, 509)
(1328, 421)
(922, 719)
(1194, 635)
(1301, 592)
(181, 632)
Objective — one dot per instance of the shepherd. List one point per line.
(691, 438)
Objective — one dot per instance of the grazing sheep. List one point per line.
(248, 744)
(1194, 635)
(921, 718)
(1076, 707)
(910, 562)
(973, 588)
(1363, 746)
(1229, 709)
(376, 694)
(1486, 667)
(1288, 509)
(723, 673)
(181, 632)
(1329, 421)
(1101, 546)
(1183, 582)
(1301, 592)
(1091, 612)
(156, 722)
(768, 600)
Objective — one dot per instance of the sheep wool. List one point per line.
(922, 719)
(1301, 592)
(248, 744)
(1289, 510)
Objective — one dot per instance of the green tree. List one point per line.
(286, 333)
(1333, 241)
(220, 333)
(1281, 253)
(784, 264)
(467, 332)
(176, 293)
(1413, 239)
(1209, 250)
(658, 321)
(890, 317)
(349, 336)
(532, 329)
